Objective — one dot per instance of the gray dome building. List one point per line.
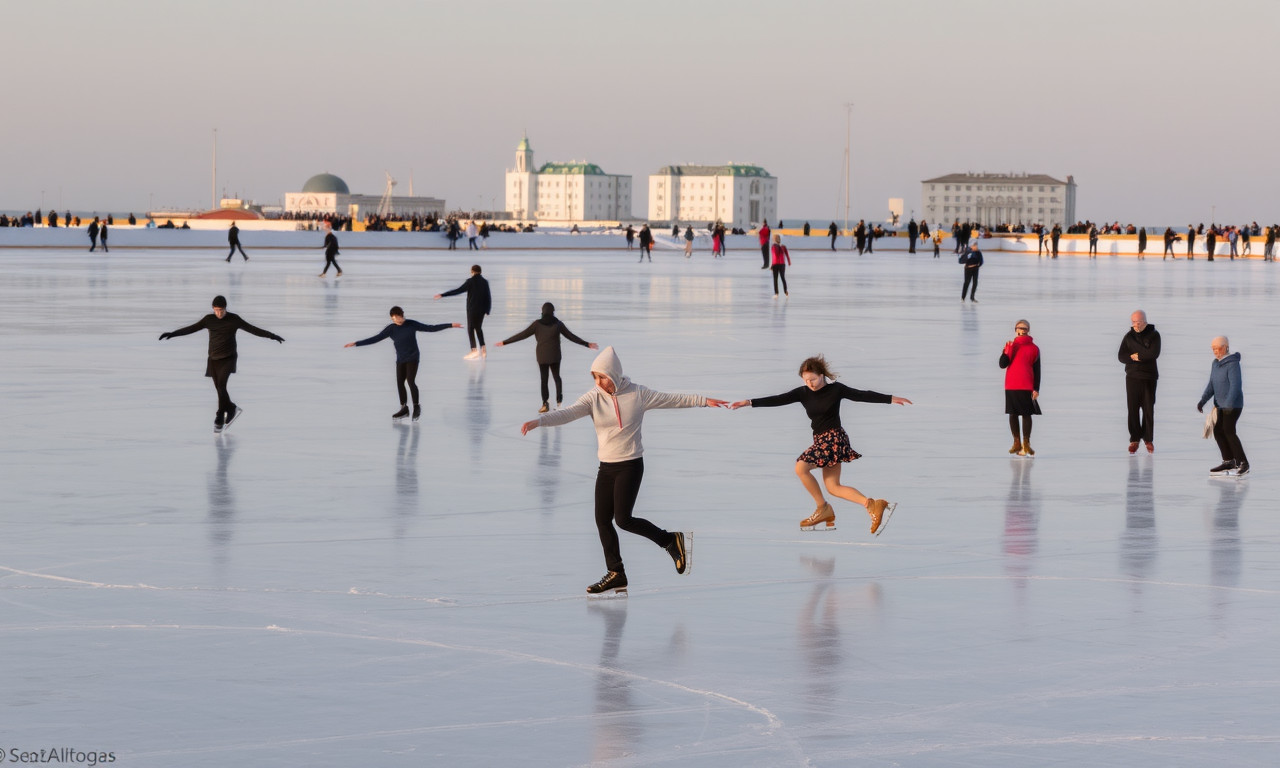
(327, 193)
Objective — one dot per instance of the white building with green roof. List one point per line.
(570, 192)
(738, 195)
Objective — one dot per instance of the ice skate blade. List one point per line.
(888, 513)
(608, 594)
(818, 527)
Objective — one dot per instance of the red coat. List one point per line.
(1021, 363)
(764, 235)
(781, 255)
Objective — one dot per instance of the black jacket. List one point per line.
(547, 330)
(1147, 347)
(479, 300)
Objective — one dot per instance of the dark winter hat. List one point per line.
(397, 311)
(220, 302)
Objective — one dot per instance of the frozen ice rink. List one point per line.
(322, 587)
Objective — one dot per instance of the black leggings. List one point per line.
(780, 271)
(474, 321)
(328, 259)
(1224, 432)
(407, 373)
(617, 486)
(554, 370)
(970, 276)
(1026, 426)
(220, 371)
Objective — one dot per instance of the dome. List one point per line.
(324, 183)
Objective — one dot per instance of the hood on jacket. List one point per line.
(1022, 341)
(1234, 357)
(548, 314)
(608, 364)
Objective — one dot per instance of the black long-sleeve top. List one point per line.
(222, 333)
(548, 332)
(823, 406)
(1147, 346)
(405, 337)
(479, 300)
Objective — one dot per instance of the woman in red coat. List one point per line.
(1021, 363)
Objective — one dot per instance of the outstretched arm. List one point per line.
(417, 326)
(386, 332)
(521, 336)
(190, 329)
(256, 331)
(571, 336)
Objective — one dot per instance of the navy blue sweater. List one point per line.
(405, 337)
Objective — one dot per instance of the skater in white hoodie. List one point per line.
(616, 405)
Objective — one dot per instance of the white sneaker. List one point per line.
(472, 355)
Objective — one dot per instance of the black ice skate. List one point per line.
(417, 411)
(613, 584)
(401, 414)
(232, 416)
(679, 549)
(1225, 468)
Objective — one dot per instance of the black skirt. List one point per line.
(1018, 402)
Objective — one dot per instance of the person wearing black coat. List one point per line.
(479, 303)
(1138, 352)
(1142, 242)
(330, 247)
(972, 261)
(913, 232)
(547, 330)
(646, 243)
(93, 234)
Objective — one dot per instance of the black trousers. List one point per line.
(780, 271)
(474, 332)
(220, 371)
(764, 252)
(970, 277)
(1224, 432)
(617, 486)
(1141, 397)
(234, 246)
(554, 370)
(330, 259)
(407, 373)
(833, 242)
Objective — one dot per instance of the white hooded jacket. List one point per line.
(618, 417)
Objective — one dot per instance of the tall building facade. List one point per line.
(738, 195)
(990, 199)
(564, 192)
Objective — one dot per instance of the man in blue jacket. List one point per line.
(1225, 387)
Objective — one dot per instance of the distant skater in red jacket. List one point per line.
(1021, 363)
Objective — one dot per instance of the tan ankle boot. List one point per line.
(823, 514)
(1017, 446)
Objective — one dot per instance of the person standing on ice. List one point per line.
(93, 234)
(404, 335)
(971, 258)
(1021, 363)
(222, 326)
(1138, 352)
(1226, 389)
(821, 396)
(547, 330)
(330, 247)
(233, 237)
(479, 303)
(616, 405)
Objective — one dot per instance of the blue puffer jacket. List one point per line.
(1224, 383)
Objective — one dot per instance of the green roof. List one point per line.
(729, 169)
(581, 169)
(523, 146)
(323, 183)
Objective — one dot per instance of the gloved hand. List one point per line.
(1200, 407)
(164, 336)
(277, 338)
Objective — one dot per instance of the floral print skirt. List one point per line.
(829, 449)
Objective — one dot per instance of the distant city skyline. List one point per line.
(1161, 111)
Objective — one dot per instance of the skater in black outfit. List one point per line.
(547, 330)
(972, 261)
(479, 303)
(616, 406)
(821, 397)
(233, 237)
(1139, 350)
(102, 235)
(93, 234)
(330, 254)
(646, 243)
(222, 326)
(404, 335)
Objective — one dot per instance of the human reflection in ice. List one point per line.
(331, 288)
(1021, 526)
(547, 476)
(617, 729)
(406, 504)
(818, 628)
(1224, 546)
(1138, 542)
(222, 500)
(478, 412)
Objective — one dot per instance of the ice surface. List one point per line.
(321, 586)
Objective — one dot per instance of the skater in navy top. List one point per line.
(404, 334)
(821, 397)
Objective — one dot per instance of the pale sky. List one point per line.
(1162, 111)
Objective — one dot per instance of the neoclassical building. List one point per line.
(565, 192)
(999, 198)
(738, 195)
(326, 193)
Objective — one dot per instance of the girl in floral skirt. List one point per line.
(821, 397)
